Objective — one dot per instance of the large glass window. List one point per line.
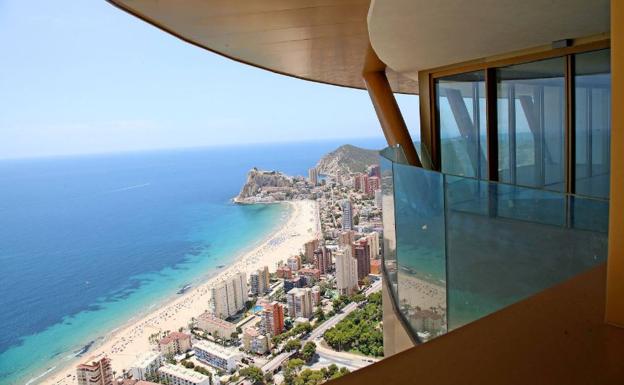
(462, 122)
(531, 123)
(592, 122)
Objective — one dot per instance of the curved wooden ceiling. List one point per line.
(319, 40)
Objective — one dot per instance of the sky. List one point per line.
(81, 77)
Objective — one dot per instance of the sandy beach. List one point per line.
(124, 345)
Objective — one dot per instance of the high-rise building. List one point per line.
(373, 242)
(323, 259)
(98, 372)
(272, 318)
(259, 281)
(309, 249)
(378, 198)
(347, 215)
(346, 238)
(372, 184)
(346, 272)
(361, 252)
(313, 176)
(229, 296)
(284, 272)
(360, 181)
(299, 303)
(294, 262)
(374, 170)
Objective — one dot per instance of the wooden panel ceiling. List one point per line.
(319, 40)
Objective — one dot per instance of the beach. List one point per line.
(127, 342)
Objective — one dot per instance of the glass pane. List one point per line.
(419, 217)
(516, 247)
(592, 81)
(531, 123)
(462, 121)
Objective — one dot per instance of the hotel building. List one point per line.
(309, 248)
(217, 356)
(215, 326)
(146, 365)
(178, 375)
(229, 296)
(96, 373)
(510, 201)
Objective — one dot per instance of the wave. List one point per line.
(129, 188)
(32, 380)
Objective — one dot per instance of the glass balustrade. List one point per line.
(458, 248)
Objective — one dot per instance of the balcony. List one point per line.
(457, 249)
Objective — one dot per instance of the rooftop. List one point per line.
(183, 373)
(216, 349)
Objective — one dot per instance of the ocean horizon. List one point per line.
(90, 242)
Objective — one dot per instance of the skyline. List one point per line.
(100, 82)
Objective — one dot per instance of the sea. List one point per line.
(87, 243)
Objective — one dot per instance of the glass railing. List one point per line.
(457, 249)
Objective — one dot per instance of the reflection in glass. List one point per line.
(461, 118)
(531, 122)
(419, 221)
(592, 81)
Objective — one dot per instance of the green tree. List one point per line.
(293, 344)
(253, 373)
(308, 351)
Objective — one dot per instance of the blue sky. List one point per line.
(84, 77)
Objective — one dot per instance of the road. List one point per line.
(351, 361)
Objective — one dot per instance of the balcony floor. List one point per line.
(555, 337)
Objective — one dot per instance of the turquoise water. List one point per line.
(87, 243)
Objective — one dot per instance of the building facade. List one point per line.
(299, 302)
(347, 215)
(96, 373)
(272, 318)
(217, 356)
(323, 260)
(146, 365)
(361, 253)
(229, 296)
(178, 375)
(175, 343)
(217, 327)
(346, 272)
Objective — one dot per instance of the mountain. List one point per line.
(347, 159)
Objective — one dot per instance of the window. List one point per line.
(461, 119)
(531, 123)
(592, 83)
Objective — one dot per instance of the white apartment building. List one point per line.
(229, 296)
(347, 215)
(299, 303)
(178, 375)
(259, 281)
(346, 272)
(146, 365)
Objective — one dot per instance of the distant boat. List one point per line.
(184, 289)
(220, 266)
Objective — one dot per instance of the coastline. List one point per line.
(127, 341)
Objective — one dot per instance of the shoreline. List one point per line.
(130, 339)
